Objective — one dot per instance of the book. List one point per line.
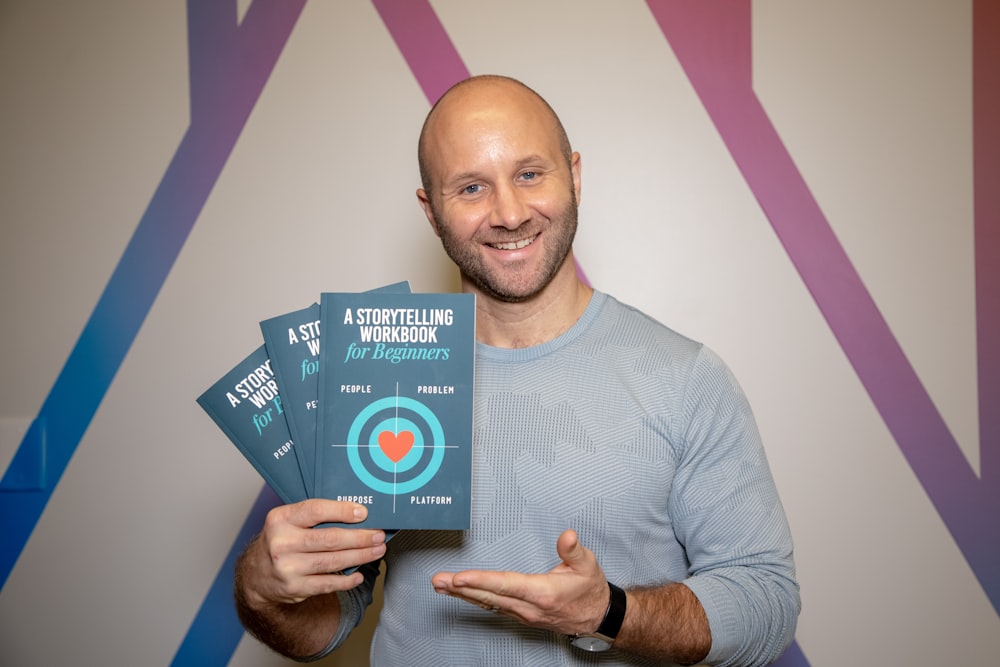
(246, 405)
(292, 341)
(396, 395)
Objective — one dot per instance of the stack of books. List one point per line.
(379, 414)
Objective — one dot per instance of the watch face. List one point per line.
(591, 643)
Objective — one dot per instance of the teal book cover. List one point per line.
(246, 405)
(396, 397)
(292, 342)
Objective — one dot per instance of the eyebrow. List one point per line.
(533, 159)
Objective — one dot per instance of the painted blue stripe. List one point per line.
(98, 354)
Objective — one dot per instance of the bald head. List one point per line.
(479, 96)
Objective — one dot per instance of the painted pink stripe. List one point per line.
(424, 44)
(712, 42)
(986, 181)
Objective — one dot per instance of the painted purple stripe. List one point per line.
(424, 44)
(712, 43)
(986, 181)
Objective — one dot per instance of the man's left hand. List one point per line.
(571, 598)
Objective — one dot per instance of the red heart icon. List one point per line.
(395, 446)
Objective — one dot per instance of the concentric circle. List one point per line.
(396, 424)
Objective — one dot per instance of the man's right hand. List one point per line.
(291, 561)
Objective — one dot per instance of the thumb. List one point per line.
(569, 548)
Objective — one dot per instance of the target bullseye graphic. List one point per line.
(384, 428)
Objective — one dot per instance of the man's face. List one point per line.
(504, 199)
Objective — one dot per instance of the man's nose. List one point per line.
(510, 207)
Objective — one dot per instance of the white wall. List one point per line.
(872, 100)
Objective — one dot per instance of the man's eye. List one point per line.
(529, 175)
(471, 189)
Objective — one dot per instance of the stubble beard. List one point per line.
(559, 235)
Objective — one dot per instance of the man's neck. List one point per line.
(547, 315)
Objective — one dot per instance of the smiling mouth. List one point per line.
(514, 245)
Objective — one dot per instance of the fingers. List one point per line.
(333, 550)
(524, 597)
(292, 574)
(300, 560)
(321, 550)
(500, 584)
(316, 511)
(474, 591)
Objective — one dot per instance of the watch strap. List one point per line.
(615, 615)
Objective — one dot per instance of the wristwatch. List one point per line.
(606, 633)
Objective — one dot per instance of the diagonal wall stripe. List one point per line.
(712, 42)
(986, 177)
(424, 44)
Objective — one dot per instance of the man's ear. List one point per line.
(425, 204)
(576, 170)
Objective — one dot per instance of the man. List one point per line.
(622, 500)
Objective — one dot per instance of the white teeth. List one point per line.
(517, 245)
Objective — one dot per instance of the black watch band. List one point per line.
(615, 615)
(605, 636)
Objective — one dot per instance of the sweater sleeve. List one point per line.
(727, 514)
(353, 604)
